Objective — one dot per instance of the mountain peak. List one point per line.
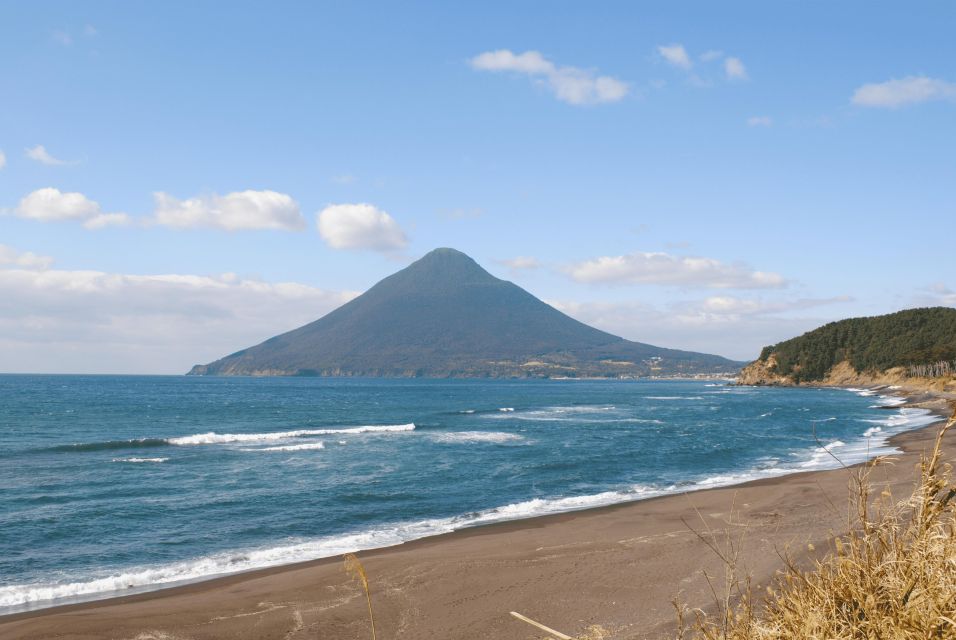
(442, 267)
(444, 315)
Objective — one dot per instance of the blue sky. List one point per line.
(699, 175)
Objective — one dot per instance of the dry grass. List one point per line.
(892, 577)
(354, 567)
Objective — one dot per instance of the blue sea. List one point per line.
(115, 484)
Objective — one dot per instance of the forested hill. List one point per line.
(869, 345)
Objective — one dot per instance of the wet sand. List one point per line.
(618, 567)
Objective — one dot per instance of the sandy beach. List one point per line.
(618, 567)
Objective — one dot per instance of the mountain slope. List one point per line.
(446, 316)
(858, 346)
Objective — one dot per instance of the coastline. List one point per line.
(569, 569)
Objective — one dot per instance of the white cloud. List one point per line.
(27, 260)
(53, 205)
(41, 155)
(735, 69)
(760, 121)
(732, 327)
(91, 321)
(665, 269)
(237, 211)
(569, 84)
(360, 226)
(676, 55)
(711, 55)
(893, 94)
(735, 306)
(936, 295)
(3, 159)
(521, 262)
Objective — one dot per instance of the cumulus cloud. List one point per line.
(760, 121)
(41, 155)
(3, 159)
(732, 327)
(92, 321)
(572, 85)
(679, 271)
(27, 260)
(521, 262)
(735, 69)
(893, 94)
(360, 226)
(52, 205)
(237, 211)
(676, 54)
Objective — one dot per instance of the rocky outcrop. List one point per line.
(762, 372)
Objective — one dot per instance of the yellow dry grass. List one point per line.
(892, 577)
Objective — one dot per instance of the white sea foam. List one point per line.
(307, 446)
(496, 437)
(562, 414)
(874, 443)
(243, 560)
(889, 401)
(226, 438)
(674, 397)
(140, 460)
(506, 409)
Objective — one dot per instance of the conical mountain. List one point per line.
(445, 316)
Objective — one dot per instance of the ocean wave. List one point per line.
(889, 401)
(140, 460)
(225, 438)
(506, 409)
(674, 397)
(561, 414)
(212, 437)
(110, 444)
(497, 437)
(307, 446)
(142, 578)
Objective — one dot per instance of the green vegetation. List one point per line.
(911, 337)
(445, 316)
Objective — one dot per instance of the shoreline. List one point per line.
(564, 526)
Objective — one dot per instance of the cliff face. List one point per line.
(761, 373)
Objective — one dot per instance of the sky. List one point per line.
(180, 180)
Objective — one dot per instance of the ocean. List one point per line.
(111, 485)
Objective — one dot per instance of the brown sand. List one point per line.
(617, 567)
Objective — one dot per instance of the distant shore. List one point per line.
(618, 567)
